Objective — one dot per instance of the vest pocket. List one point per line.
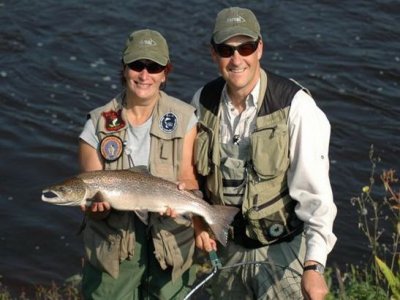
(109, 241)
(174, 243)
(102, 245)
(272, 220)
(234, 183)
(202, 150)
(270, 151)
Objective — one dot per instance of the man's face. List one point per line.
(240, 72)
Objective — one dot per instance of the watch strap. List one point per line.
(315, 267)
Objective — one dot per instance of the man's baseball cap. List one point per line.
(146, 44)
(235, 21)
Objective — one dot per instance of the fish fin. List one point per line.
(98, 197)
(225, 214)
(220, 232)
(139, 169)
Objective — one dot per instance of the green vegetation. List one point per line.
(69, 290)
(378, 208)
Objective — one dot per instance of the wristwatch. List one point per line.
(316, 267)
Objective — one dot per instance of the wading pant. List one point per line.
(139, 278)
(277, 274)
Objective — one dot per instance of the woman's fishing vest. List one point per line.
(112, 240)
(267, 209)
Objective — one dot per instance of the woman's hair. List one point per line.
(168, 69)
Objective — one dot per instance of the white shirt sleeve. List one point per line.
(308, 175)
(88, 134)
(192, 122)
(196, 101)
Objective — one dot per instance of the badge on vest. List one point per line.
(114, 120)
(276, 230)
(111, 148)
(168, 122)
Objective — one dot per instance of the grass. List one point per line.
(378, 209)
(69, 290)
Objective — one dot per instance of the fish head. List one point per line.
(71, 192)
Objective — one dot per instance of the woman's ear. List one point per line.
(168, 69)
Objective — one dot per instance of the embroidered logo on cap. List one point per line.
(238, 19)
(148, 42)
(111, 148)
(114, 120)
(168, 122)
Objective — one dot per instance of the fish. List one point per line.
(131, 190)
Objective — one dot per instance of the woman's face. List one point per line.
(143, 79)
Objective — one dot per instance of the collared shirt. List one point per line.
(308, 174)
(236, 127)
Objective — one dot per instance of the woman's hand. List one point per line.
(169, 212)
(98, 210)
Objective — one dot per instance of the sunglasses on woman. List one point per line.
(244, 49)
(151, 66)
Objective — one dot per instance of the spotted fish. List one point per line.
(130, 190)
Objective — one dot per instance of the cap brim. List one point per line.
(146, 55)
(223, 35)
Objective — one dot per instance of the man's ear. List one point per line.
(214, 55)
(260, 49)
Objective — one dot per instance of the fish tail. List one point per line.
(225, 215)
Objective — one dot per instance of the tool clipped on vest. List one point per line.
(215, 262)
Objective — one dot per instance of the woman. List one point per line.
(135, 255)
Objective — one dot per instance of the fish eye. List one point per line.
(64, 189)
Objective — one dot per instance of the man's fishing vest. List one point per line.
(267, 209)
(112, 240)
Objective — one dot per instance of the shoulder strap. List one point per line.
(279, 94)
(210, 95)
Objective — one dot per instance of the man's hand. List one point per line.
(313, 285)
(202, 237)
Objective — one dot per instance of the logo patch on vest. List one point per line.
(168, 122)
(111, 148)
(114, 120)
(276, 230)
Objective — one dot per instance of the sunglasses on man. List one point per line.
(244, 49)
(151, 66)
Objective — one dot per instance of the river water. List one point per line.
(60, 59)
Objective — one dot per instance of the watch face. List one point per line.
(320, 269)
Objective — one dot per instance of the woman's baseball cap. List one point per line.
(146, 44)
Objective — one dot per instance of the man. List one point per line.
(263, 146)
